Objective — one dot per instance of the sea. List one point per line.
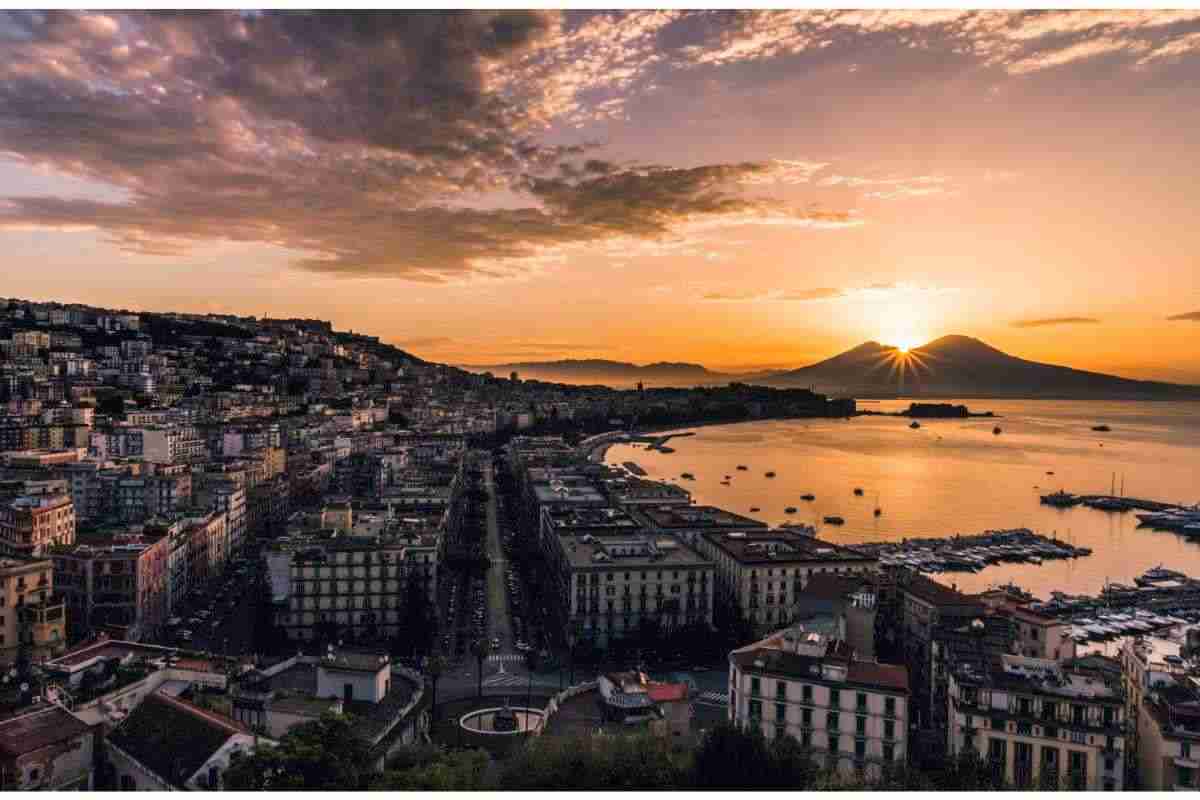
(957, 476)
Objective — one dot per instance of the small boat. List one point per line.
(742, 467)
(727, 477)
(878, 511)
(725, 483)
(914, 425)
(1101, 428)
(1049, 472)
(857, 492)
(753, 509)
(790, 510)
(687, 476)
(996, 430)
(808, 497)
(834, 520)
(770, 474)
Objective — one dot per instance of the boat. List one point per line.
(834, 520)
(724, 483)
(808, 497)
(857, 491)
(770, 474)
(687, 476)
(1049, 472)
(914, 425)
(753, 509)
(1101, 428)
(790, 510)
(1061, 499)
(878, 510)
(996, 430)
(742, 467)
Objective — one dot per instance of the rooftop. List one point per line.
(592, 520)
(37, 729)
(638, 551)
(697, 517)
(782, 545)
(172, 737)
(814, 655)
(1040, 675)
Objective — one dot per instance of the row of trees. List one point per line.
(330, 754)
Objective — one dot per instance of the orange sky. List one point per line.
(742, 190)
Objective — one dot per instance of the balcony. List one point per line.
(1186, 763)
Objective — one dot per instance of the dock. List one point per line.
(972, 553)
(1106, 502)
(633, 467)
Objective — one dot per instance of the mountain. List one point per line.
(608, 373)
(961, 366)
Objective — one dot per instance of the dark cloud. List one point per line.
(1052, 321)
(366, 141)
(1190, 316)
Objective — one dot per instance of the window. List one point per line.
(1049, 710)
(1185, 776)
(861, 701)
(889, 729)
(781, 689)
(755, 687)
(889, 752)
(1024, 705)
(889, 707)
(806, 718)
(780, 711)
(1185, 749)
(835, 698)
(860, 726)
(1077, 768)
(833, 743)
(127, 784)
(806, 739)
(756, 710)
(780, 731)
(997, 724)
(833, 721)
(1077, 712)
(806, 693)
(860, 749)
(1110, 715)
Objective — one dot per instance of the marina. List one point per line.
(972, 553)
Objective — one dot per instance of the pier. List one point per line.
(1106, 502)
(972, 553)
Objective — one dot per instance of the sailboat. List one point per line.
(878, 510)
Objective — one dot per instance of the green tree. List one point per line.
(481, 649)
(326, 754)
(596, 762)
(435, 769)
(725, 745)
(435, 665)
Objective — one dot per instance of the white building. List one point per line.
(1162, 682)
(851, 714)
(1040, 723)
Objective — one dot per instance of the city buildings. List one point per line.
(30, 524)
(762, 573)
(32, 614)
(1162, 685)
(1039, 722)
(852, 714)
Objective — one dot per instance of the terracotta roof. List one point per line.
(667, 692)
(936, 593)
(33, 731)
(894, 676)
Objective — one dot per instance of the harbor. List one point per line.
(1160, 598)
(972, 553)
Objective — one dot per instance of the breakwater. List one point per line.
(972, 553)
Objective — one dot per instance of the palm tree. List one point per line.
(435, 665)
(481, 648)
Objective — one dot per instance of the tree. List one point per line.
(326, 754)
(728, 744)
(432, 768)
(435, 665)
(481, 649)
(592, 762)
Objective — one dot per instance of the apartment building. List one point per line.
(851, 713)
(1162, 684)
(1040, 723)
(761, 573)
(610, 575)
(691, 522)
(119, 585)
(355, 585)
(32, 615)
(32, 523)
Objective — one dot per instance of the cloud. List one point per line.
(1190, 316)
(367, 143)
(1048, 322)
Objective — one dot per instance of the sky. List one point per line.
(747, 190)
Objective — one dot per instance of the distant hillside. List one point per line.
(962, 366)
(608, 373)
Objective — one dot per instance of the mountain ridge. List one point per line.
(954, 365)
